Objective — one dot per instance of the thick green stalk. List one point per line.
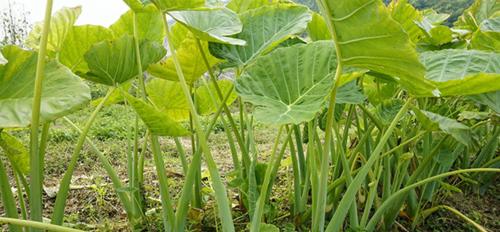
(36, 162)
(62, 194)
(168, 211)
(220, 96)
(9, 203)
(350, 194)
(219, 188)
(375, 219)
(37, 225)
(115, 179)
(319, 213)
(259, 209)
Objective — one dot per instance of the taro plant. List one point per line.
(374, 105)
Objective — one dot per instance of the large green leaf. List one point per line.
(214, 25)
(433, 122)
(463, 72)
(350, 93)
(156, 121)
(406, 15)
(167, 96)
(60, 25)
(479, 11)
(78, 41)
(264, 28)
(491, 99)
(136, 5)
(240, 6)
(149, 25)
(488, 36)
(204, 102)
(15, 151)
(369, 38)
(62, 91)
(171, 5)
(290, 84)
(114, 62)
(317, 28)
(189, 56)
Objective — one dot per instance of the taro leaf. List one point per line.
(491, 99)
(350, 93)
(159, 123)
(167, 96)
(149, 25)
(114, 62)
(378, 90)
(171, 5)
(317, 28)
(78, 41)
(406, 15)
(369, 38)
(311, 4)
(240, 6)
(463, 72)
(479, 11)
(290, 84)
(137, 5)
(204, 103)
(263, 28)
(60, 25)
(388, 109)
(62, 91)
(189, 57)
(433, 122)
(15, 151)
(488, 36)
(214, 25)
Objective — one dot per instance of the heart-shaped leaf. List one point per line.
(62, 91)
(171, 5)
(167, 96)
(189, 56)
(156, 121)
(60, 25)
(114, 62)
(463, 72)
(290, 84)
(214, 25)
(369, 38)
(149, 25)
(78, 41)
(264, 28)
(204, 102)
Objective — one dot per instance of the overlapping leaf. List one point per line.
(369, 38)
(204, 102)
(15, 151)
(240, 6)
(406, 15)
(172, 5)
(156, 121)
(491, 99)
(167, 96)
(60, 25)
(479, 11)
(189, 56)
(78, 41)
(432, 121)
(149, 25)
(264, 28)
(114, 62)
(290, 84)
(488, 36)
(214, 25)
(62, 91)
(463, 72)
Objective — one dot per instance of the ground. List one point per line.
(93, 205)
